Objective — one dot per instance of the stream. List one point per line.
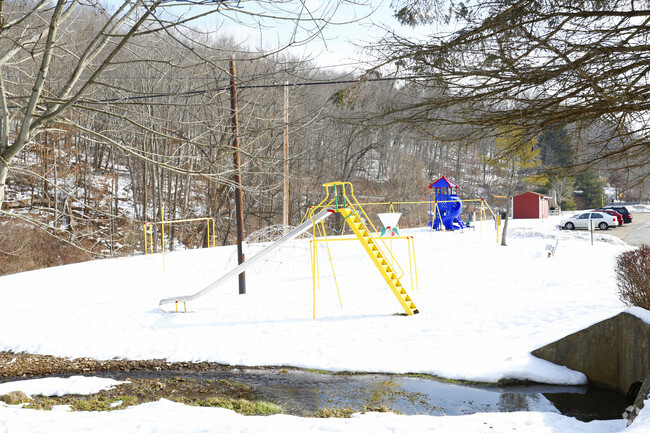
(302, 392)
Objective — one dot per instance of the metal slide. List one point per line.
(265, 252)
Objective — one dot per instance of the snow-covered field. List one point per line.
(483, 309)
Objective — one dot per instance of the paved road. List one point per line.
(636, 233)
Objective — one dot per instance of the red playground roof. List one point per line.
(443, 183)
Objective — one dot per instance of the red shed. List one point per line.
(530, 205)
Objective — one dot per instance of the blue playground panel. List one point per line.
(448, 215)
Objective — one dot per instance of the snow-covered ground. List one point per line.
(483, 309)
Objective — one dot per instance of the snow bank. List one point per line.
(54, 386)
(641, 313)
(483, 307)
(641, 423)
(640, 208)
(166, 416)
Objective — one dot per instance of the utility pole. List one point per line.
(285, 207)
(238, 188)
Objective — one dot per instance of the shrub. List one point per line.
(24, 247)
(633, 277)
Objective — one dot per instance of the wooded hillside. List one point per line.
(110, 151)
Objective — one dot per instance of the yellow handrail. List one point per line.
(410, 246)
(351, 204)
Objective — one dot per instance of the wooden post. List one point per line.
(285, 207)
(238, 190)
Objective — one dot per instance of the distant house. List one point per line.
(530, 205)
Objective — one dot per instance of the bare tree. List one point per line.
(533, 65)
(132, 92)
(36, 35)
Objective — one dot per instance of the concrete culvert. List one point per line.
(633, 392)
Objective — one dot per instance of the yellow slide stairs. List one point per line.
(379, 259)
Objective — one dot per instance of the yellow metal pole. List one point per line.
(408, 246)
(410, 202)
(162, 223)
(305, 215)
(395, 238)
(490, 209)
(317, 267)
(312, 245)
(439, 215)
(146, 250)
(498, 225)
(336, 284)
(415, 265)
(213, 237)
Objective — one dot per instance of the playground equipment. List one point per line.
(342, 201)
(149, 229)
(445, 210)
(381, 256)
(389, 220)
(410, 241)
(314, 218)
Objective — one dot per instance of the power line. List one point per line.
(250, 86)
(265, 86)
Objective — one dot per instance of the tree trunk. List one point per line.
(4, 172)
(505, 222)
(511, 187)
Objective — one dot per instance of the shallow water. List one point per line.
(303, 392)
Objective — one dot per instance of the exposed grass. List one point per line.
(205, 393)
(334, 412)
(333, 373)
(417, 375)
(84, 403)
(346, 412)
(244, 407)
(453, 381)
(208, 393)
(232, 395)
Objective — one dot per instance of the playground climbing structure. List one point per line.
(446, 208)
(343, 201)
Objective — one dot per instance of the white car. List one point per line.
(589, 220)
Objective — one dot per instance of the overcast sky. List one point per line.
(352, 27)
(338, 45)
(354, 24)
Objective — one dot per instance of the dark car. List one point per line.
(618, 216)
(627, 218)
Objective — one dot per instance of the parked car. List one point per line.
(627, 218)
(582, 221)
(618, 216)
